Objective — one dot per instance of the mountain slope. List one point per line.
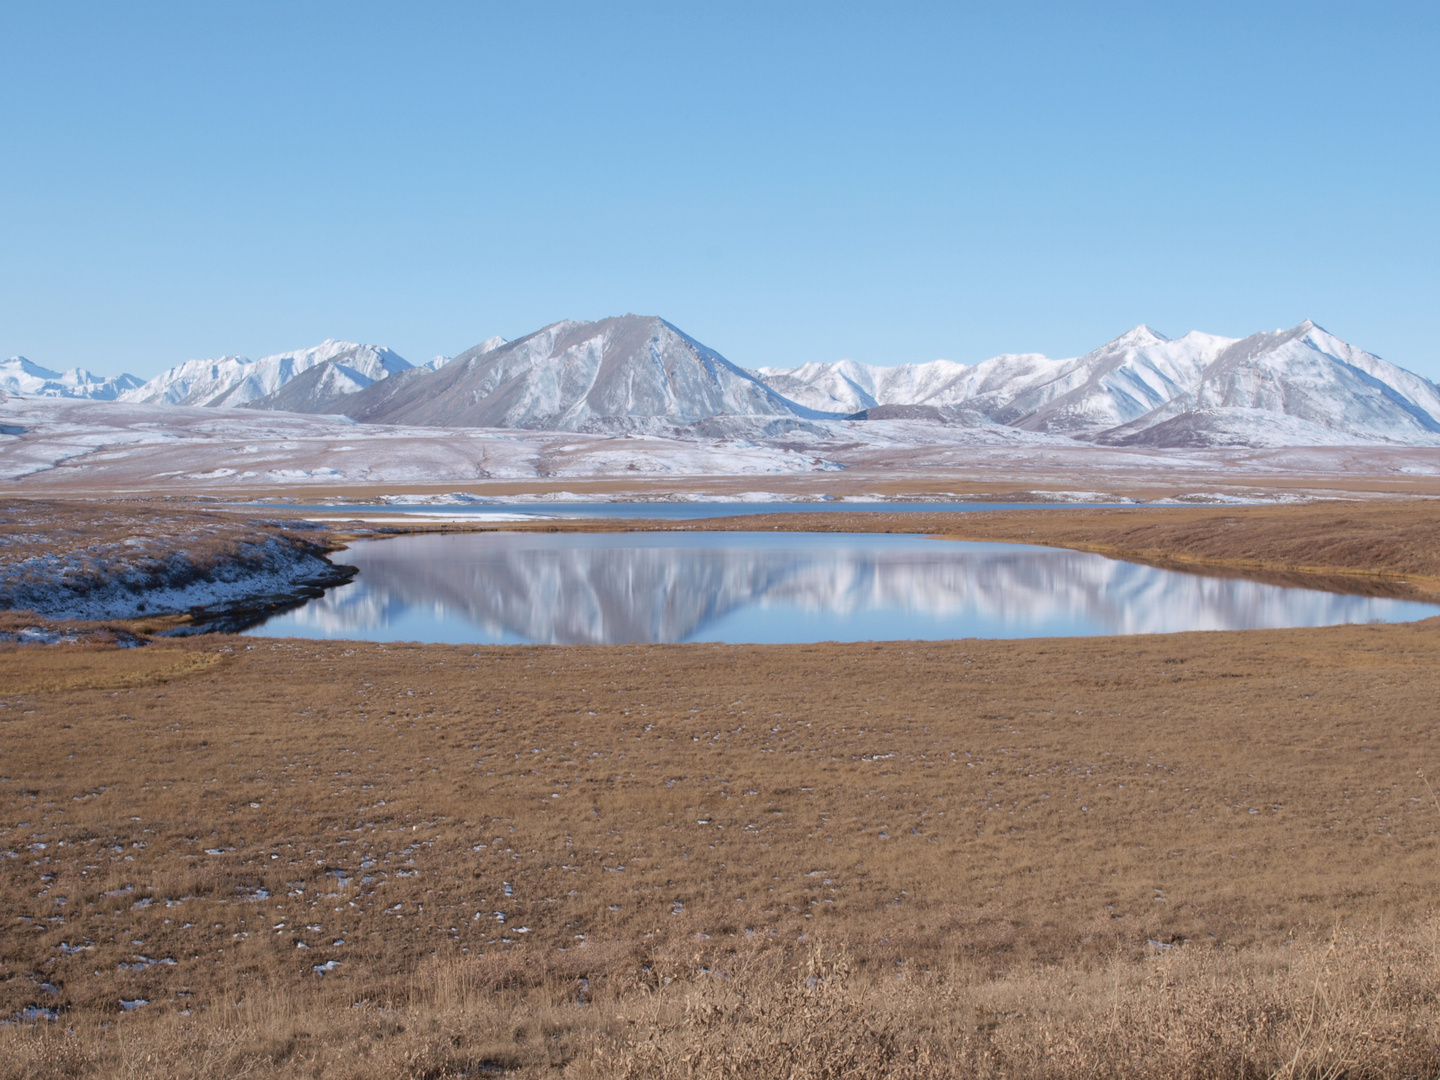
(1118, 382)
(1122, 380)
(632, 372)
(849, 387)
(236, 380)
(326, 387)
(1276, 388)
(21, 376)
(485, 346)
(1298, 387)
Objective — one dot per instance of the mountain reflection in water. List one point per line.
(614, 588)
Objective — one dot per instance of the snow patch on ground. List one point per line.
(151, 580)
(112, 448)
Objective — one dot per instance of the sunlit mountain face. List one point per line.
(638, 374)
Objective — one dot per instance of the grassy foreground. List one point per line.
(1186, 855)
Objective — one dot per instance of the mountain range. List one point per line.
(635, 373)
(21, 376)
(1302, 386)
(308, 380)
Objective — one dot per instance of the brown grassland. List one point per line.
(1202, 855)
(1376, 547)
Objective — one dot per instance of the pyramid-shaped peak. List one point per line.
(1135, 337)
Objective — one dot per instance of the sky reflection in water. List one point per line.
(780, 587)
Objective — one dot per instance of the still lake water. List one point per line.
(614, 588)
(671, 511)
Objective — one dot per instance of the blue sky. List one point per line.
(785, 182)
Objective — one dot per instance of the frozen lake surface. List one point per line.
(605, 589)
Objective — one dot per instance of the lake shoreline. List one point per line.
(1378, 548)
(783, 587)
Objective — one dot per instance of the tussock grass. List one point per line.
(1359, 1005)
(998, 844)
(1102, 857)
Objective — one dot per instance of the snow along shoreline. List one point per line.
(223, 591)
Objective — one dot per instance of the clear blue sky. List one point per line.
(786, 182)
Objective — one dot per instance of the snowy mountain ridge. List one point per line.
(1305, 375)
(21, 376)
(237, 380)
(1145, 389)
(484, 347)
(641, 374)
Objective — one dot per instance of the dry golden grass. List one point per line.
(1380, 547)
(133, 529)
(1355, 1005)
(1194, 855)
(65, 559)
(973, 823)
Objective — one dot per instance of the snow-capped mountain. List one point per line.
(21, 376)
(1283, 387)
(236, 380)
(848, 387)
(1297, 387)
(627, 373)
(633, 373)
(1118, 382)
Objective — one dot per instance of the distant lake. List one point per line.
(673, 511)
(615, 588)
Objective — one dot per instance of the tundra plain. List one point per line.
(1195, 854)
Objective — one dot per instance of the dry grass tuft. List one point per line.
(1361, 1006)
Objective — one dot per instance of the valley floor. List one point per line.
(55, 447)
(1199, 854)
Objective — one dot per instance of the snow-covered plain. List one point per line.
(60, 445)
(114, 446)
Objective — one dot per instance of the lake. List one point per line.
(666, 510)
(771, 587)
